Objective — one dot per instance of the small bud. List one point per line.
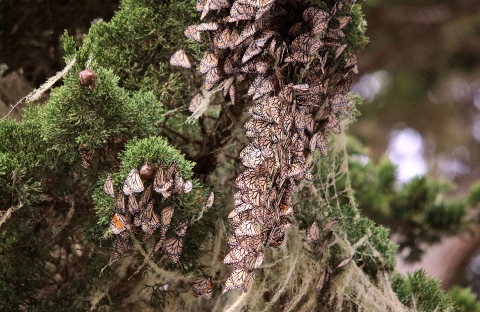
(87, 78)
(147, 172)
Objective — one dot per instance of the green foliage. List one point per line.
(464, 299)
(420, 292)
(418, 211)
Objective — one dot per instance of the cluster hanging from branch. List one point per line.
(293, 66)
(167, 183)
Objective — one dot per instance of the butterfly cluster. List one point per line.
(142, 214)
(294, 67)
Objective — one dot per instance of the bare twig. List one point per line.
(9, 212)
(35, 94)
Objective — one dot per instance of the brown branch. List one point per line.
(9, 212)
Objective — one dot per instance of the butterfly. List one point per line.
(160, 185)
(339, 51)
(313, 234)
(133, 183)
(120, 245)
(239, 278)
(118, 223)
(195, 103)
(247, 32)
(208, 61)
(319, 21)
(150, 219)
(339, 103)
(187, 187)
(276, 237)
(210, 200)
(167, 214)
(202, 286)
(207, 26)
(145, 197)
(173, 249)
(324, 276)
(235, 255)
(212, 78)
(133, 206)
(108, 186)
(181, 230)
(251, 156)
(319, 140)
(87, 155)
(248, 228)
(252, 50)
(191, 32)
(121, 202)
(179, 58)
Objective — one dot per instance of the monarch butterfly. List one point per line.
(133, 183)
(158, 245)
(235, 255)
(181, 230)
(286, 210)
(264, 36)
(212, 78)
(313, 234)
(239, 278)
(160, 185)
(121, 202)
(222, 40)
(173, 249)
(251, 179)
(276, 237)
(120, 245)
(345, 262)
(145, 197)
(227, 84)
(167, 214)
(296, 29)
(202, 286)
(251, 243)
(208, 61)
(307, 15)
(339, 22)
(187, 187)
(251, 156)
(108, 186)
(248, 228)
(179, 58)
(251, 196)
(133, 206)
(210, 200)
(231, 92)
(248, 262)
(243, 207)
(87, 155)
(252, 50)
(351, 64)
(333, 123)
(247, 32)
(319, 21)
(117, 225)
(200, 5)
(207, 26)
(285, 223)
(321, 280)
(178, 184)
(240, 11)
(218, 4)
(191, 32)
(150, 219)
(339, 103)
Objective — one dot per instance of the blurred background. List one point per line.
(419, 77)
